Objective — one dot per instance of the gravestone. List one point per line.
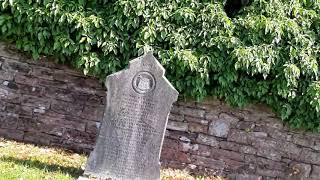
(139, 100)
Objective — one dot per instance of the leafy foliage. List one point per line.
(269, 51)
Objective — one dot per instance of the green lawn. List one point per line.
(20, 161)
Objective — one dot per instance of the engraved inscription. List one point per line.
(135, 125)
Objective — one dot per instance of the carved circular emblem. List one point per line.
(143, 82)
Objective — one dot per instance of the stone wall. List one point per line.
(45, 103)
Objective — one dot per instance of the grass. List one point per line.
(19, 161)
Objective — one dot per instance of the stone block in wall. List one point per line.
(31, 90)
(238, 147)
(79, 87)
(222, 125)
(34, 101)
(25, 79)
(315, 173)
(232, 165)
(197, 128)
(95, 100)
(212, 116)
(2, 105)
(9, 120)
(172, 154)
(63, 123)
(66, 108)
(92, 127)
(309, 156)
(8, 76)
(73, 137)
(267, 148)
(30, 124)
(94, 113)
(226, 154)
(60, 94)
(12, 134)
(55, 84)
(62, 75)
(239, 136)
(300, 139)
(171, 143)
(289, 149)
(16, 67)
(207, 140)
(208, 162)
(245, 125)
(268, 123)
(244, 177)
(257, 161)
(177, 126)
(200, 113)
(196, 120)
(10, 85)
(9, 95)
(202, 150)
(188, 147)
(42, 72)
(271, 173)
(279, 134)
(38, 137)
(175, 117)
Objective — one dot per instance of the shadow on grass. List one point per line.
(74, 172)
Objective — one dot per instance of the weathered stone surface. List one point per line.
(12, 134)
(207, 162)
(309, 156)
(225, 154)
(34, 101)
(4, 75)
(245, 177)
(196, 120)
(219, 128)
(62, 107)
(239, 137)
(176, 117)
(270, 173)
(266, 163)
(177, 126)
(138, 104)
(315, 174)
(207, 140)
(268, 149)
(198, 128)
(202, 150)
(194, 112)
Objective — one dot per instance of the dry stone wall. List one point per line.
(45, 103)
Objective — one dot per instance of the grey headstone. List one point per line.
(139, 100)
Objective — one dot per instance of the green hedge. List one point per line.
(267, 52)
